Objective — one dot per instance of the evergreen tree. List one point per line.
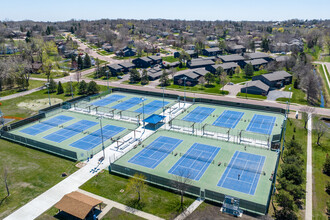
(48, 31)
(72, 30)
(52, 85)
(60, 88)
(164, 80)
(326, 165)
(209, 77)
(87, 61)
(265, 44)
(82, 87)
(69, 86)
(144, 78)
(80, 63)
(248, 70)
(92, 88)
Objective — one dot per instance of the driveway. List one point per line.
(233, 89)
(275, 94)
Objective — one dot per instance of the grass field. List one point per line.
(30, 173)
(32, 84)
(214, 89)
(298, 96)
(117, 214)
(153, 200)
(253, 96)
(320, 197)
(170, 59)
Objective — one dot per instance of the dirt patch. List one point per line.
(38, 103)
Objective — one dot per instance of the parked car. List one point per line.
(230, 83)
(119, 77)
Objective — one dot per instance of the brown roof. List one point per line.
(77, 204)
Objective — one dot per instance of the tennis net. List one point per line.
(199, 158)
(245, 168)
(49, 123)
(153, 147)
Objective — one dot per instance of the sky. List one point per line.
(237, 10)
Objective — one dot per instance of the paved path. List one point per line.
(325, 65)
(110, 204)
(21, 94)
(189, 210)
(309, 173)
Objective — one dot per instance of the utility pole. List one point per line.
(47, 84)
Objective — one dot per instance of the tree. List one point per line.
(209, 77)
(164, 80)
(5, 181)
(144, 77)
(292, 173)
(320, 128)
(285, 214)
(306, 114)
(219, 71)
(137, 184)
(248, 70)
(181, 183)
(265, 44)
(60, 88)
(92, 88)
(238, 70)
(87, 61)
(326, 165)
(80, 63)
(284, 199)
(52, 85)
(134, 76)
(97, 62)
(184, 57)
(202, 81)
(223, 79)
(82, 87)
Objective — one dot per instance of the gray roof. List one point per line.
(256, 55)
(191, 75)
(146, 59)
(200, 71)
(232, 57)
(256, 62)
(115, 66)
(236, 47)
(155, 57)
(278, 75)
(201, 62)
(226, 66)
(282, 58)
(127, 65)
(258, 84)
(190, 52)
(213, 49)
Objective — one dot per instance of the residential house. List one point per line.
(233, 58)
(189, 47)
(281, 59)
(121, 67)
(189, 77)
(255, 87)
(108, 47)
(192, 53)
(257, 63)
(198, 63)
(276, 79)
(145, 62)
(257, 55)
(225, 66)
(167, 65)
(36, 66)
(154, 73)
(126, 52)
(211, 51)
(238, 49)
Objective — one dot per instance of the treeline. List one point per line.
(83, 88)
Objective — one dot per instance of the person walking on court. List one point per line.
(238, 176)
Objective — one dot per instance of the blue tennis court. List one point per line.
(243, 172)
(127, 104)
(262, 124)
(108, 100)
(199, 114)
(92, 140)
(155, 152)
(195, 161)
(228, 119)
(46, 125)
(152, 107)
(70, 131)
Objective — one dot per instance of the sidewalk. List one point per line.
(21, 94)
(110, 204)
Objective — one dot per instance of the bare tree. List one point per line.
(310, 84)
(137, 184)
(320, 128)
(5, 181)
(202, 81)
(181, 182)
(306, 114)
(78, 76)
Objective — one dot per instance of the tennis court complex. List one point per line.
(72, 134)
(210, 164)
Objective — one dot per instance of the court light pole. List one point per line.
(71, 87)
(102, 137)
(163, 101)
(47, 84)
(143, 112)
(184, 88)
(107, 79)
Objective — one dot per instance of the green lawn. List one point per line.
(30, 173)
(320, 197)
(153, 200)
(211, 89)
(92, 76)
(322, 73)
(241, 77)
(244, 95)
(170, 59)
(10, 107)
(104, 53)
(117, 214)
(32, 84)
(298, 96)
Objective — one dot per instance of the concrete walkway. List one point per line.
(324, 66)
(110, 204)
(189, 210)
(309, 174)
